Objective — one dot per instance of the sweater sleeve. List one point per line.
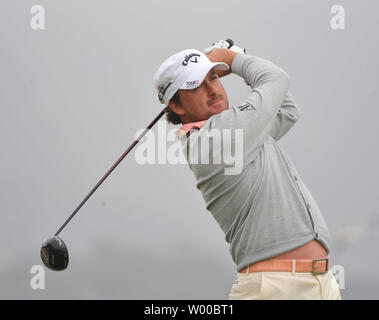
(257, 113)
(286, 117)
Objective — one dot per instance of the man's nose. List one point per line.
(210, 87)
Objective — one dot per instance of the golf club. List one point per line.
(54, 253)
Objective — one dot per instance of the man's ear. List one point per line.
(176, 108)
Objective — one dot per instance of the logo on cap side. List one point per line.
(192, 84)
(188, 58)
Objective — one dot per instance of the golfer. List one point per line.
(277, 235)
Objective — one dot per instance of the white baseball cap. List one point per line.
(184, 70)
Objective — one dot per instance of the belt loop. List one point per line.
(293, 267)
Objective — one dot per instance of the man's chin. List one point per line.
(218, 108)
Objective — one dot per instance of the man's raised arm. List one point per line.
(287, 115)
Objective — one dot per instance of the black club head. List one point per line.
(54, 253)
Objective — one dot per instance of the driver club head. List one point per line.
(54, 253)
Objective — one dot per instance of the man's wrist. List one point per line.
(236, 66)
(233, 54)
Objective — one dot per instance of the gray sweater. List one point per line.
(266, 209)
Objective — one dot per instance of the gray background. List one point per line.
(72, 97)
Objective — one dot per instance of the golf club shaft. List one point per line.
(111, 169)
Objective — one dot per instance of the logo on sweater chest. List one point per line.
(247, 106)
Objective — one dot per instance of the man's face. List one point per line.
(203, 102)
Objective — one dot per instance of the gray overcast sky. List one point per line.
(73, 95)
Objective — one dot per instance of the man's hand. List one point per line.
(222, 55)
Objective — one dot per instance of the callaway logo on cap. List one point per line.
(184, 70)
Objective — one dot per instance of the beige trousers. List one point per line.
(285, 286)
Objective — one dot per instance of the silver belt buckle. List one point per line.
(314, 272)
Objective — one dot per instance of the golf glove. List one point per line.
(224, 44)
